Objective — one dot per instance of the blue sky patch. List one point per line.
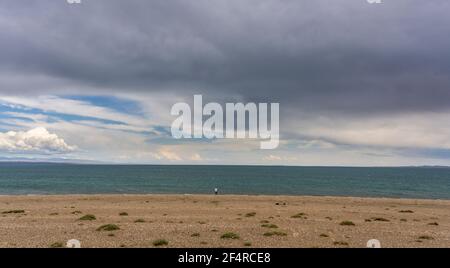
(114, 103)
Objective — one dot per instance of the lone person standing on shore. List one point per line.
(216, 191)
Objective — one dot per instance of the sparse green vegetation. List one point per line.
(108, 227)
(139, 221)
(57, 245)
(251, 214)
(160, 242)
(380, 219)
(347, 223)
(340, 243)
(16, 211)
(269, 226)
(300, 215)
(426, 237)
(406, 211)
(88, 217)
(229, 236)
(275, 233)
(123, 214)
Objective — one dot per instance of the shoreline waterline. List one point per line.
(219, 195)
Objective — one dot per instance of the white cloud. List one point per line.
(167, 154)
(272, 158)
(155, 111)
(37, 140)
(426, 130)
(196, 157)
(320, 144)
(285, 159)
(69, 106)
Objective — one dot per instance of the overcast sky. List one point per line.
(358, 83)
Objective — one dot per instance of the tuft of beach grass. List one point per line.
(15, 211)
(380, 219)
(57, 245)
(300, 215)
(275, 233)
(229, 236)
(88, 217)
(406, 211)
(426, 237)
(269, 226)
(160, 242)
(340, 243)
(108, 227)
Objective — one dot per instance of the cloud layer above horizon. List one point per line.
(357, 83)
(37, 140)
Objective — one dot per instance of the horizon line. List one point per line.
(242, 165)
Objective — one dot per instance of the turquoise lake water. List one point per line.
(407, 182)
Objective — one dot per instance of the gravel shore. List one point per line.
(222, 221)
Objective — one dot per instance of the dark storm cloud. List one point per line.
(341, 55)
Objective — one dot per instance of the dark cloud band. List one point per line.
(340, 56)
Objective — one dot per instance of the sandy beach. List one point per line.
(221, 221)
